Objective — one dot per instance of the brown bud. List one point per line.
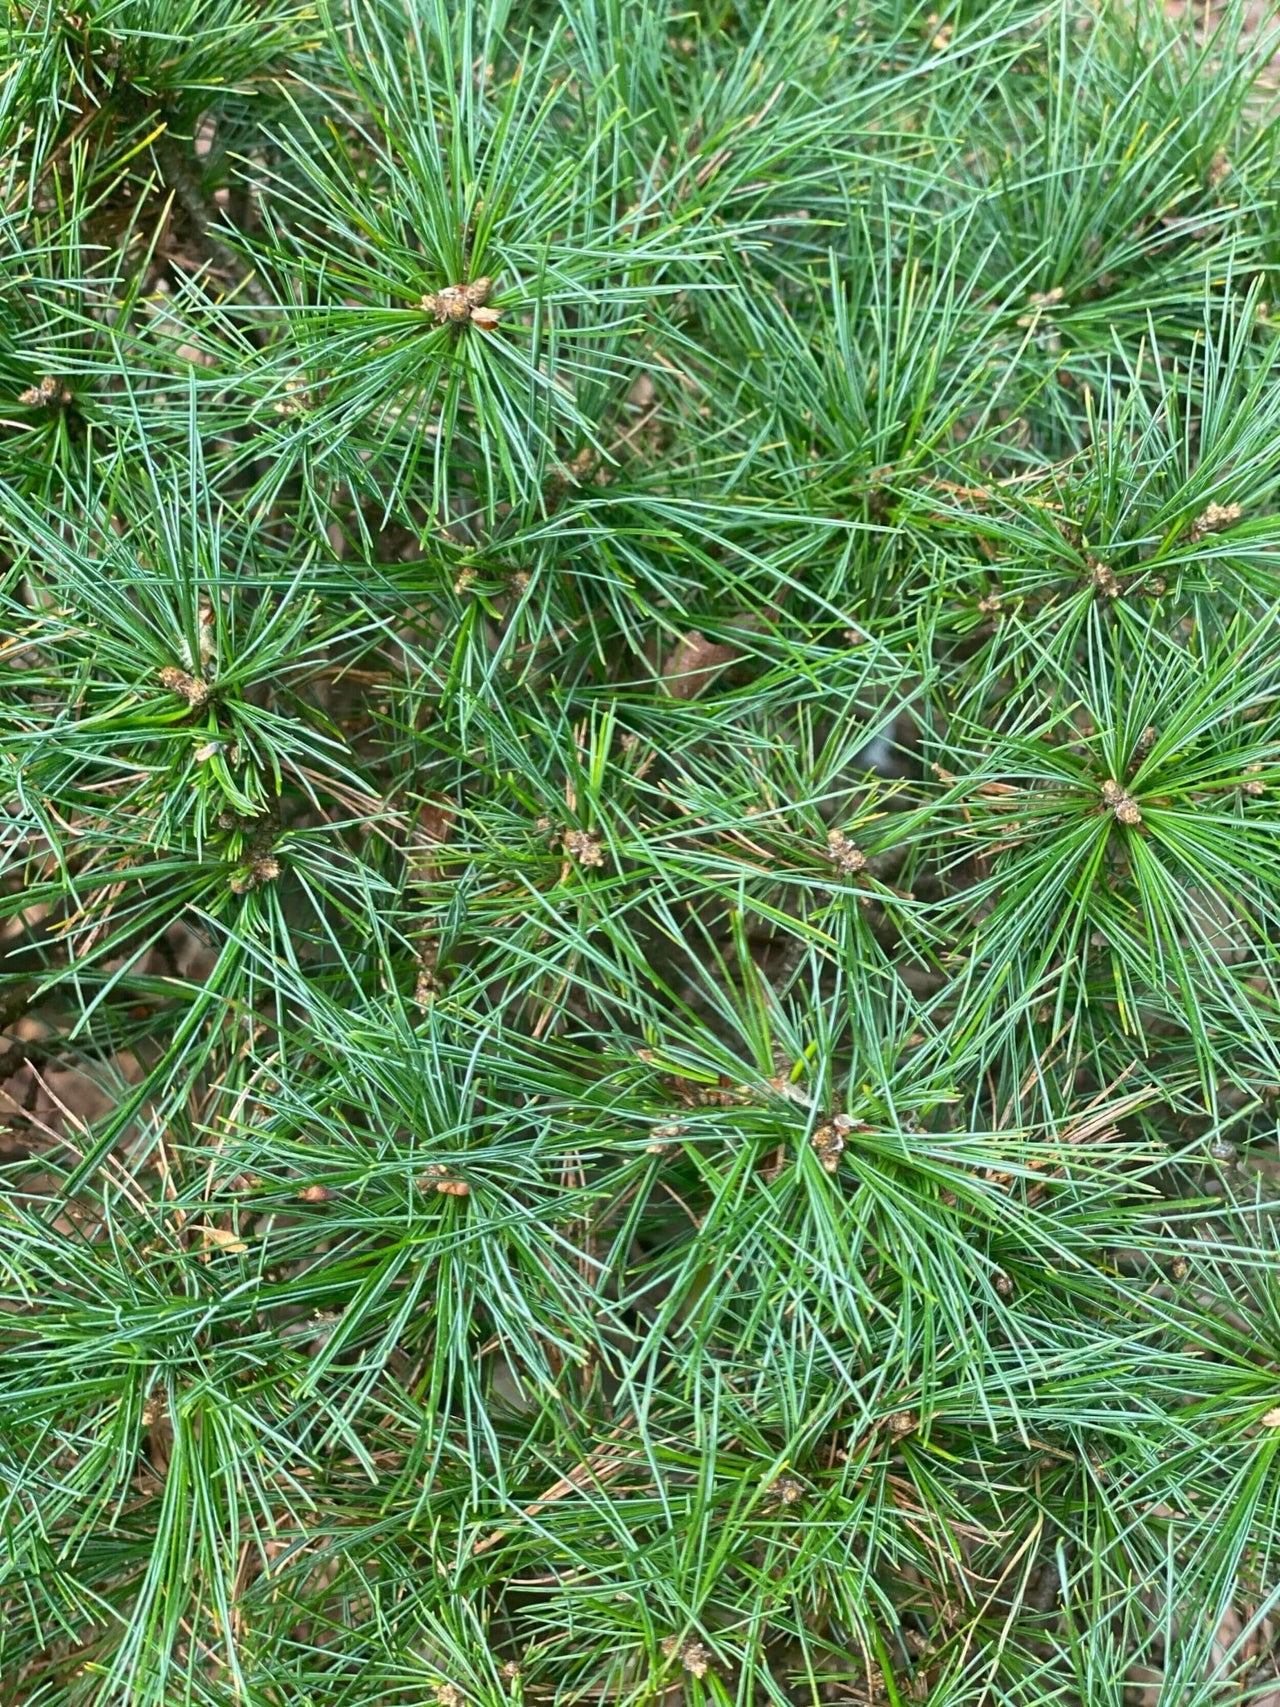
(449, 306)
(262, 868)
(693, 1656)
(1117, 801)
(1213, 519)
(1105, 581)
(185, 685)
(486, 318)
(828, 1146)
(584, 847)
(828, 1143)
(846, 858)
(48, 391)
(438, 1178)
(787, 1490)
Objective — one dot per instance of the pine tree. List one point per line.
(641, 889)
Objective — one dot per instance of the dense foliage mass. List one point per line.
(641, 872)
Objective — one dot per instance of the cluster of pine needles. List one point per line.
(640, 855)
